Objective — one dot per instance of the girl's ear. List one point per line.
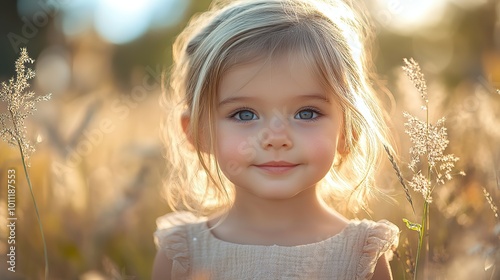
(342, 148)
(186, 124)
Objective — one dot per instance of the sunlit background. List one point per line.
(97, 172)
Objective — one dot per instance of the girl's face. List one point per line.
(277, 129)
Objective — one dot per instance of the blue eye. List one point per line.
(307, 114)
(245, 115)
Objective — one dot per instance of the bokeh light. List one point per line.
(122, 21)
(406, 16)
(118, 22)
(53, 70)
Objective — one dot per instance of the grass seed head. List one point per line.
(20, 104)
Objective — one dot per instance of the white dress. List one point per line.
(197, 254)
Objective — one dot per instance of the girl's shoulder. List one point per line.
(175, 228)
(373, 239)
(382, 229)
(172, 235)
(373, 236)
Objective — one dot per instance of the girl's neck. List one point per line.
(298, 220)
(276, 213)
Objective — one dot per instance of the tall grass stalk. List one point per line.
(39, 220)
(21, 104)
(429, 142)
(423, 234)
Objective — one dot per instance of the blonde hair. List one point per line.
(329, 35)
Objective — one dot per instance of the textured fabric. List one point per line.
(197, 254)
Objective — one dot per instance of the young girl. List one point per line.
(275, 123)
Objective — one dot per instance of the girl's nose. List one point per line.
(276, 137)
(273, 140)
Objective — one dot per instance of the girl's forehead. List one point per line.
(291, 57)
(295, 66)
(277, 82)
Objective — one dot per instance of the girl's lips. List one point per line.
(276, 167)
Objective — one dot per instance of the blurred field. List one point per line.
(99, 164)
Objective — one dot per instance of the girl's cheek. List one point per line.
(229, 143)
(323, 146)
(321, 143)
(234, 153)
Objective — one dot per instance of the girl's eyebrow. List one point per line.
(318, 96)
(304, 97)
(236, 99)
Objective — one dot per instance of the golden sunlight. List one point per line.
(406, 16)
